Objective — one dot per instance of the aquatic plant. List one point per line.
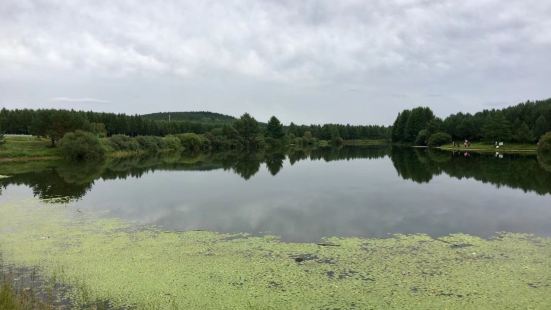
(107, 259)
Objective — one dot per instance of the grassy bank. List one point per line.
(106, 259)
(27, 148)
(490, 148)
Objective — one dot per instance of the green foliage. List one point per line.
(522, 133)
(151, 143)
(418, 120)
(308, 139)
(408, 124)
(201, 116)
(399, 127)
(274, 129)
(81, 145)
(489, 125)
(544, 145)
(497, 128)
(54, 124)
(98, 129)
(438, 139)
(191, 142)
(544, 151)
(248, 129)
(541, 126)
(172, 143)
(422, 137)
(123, 143)
(203, 123)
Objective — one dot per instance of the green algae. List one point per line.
(147, 268)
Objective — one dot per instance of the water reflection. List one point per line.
(304, 195)
(72, 181)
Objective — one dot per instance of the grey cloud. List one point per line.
(297, 59)
(79, 100)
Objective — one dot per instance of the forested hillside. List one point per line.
(200, 116)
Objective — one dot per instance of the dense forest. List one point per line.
(55, 123)
(522, 123)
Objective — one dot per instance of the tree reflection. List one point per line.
(68, 182)
(515, 171)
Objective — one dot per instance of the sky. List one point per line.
(346, 61)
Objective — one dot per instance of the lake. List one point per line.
(304, 196)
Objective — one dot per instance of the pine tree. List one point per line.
(522, 133)
(497, 128)
(248, 129)
(274, 129)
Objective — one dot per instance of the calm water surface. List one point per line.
(304, 196)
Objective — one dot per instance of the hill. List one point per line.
(199, 116)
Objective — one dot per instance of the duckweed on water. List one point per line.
(149, 268)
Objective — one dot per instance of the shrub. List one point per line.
(544, 145)
(123, 143)
(422, 137)
(172, 142)
(439, 138)
(191, 141)
(151, 143)
(81, 145)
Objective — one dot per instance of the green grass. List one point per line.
(27, 147)
(486, 147)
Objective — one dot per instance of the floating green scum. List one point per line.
(147, 268)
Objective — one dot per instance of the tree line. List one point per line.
(55, 123)
(522, 123)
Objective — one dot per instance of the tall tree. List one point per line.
(398, 129)
(54, 124)
(497, 128)
(248, 129)
(274, 129)
(417, 120)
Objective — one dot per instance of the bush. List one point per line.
(151, 143)
(172, 142)
(81, 145)
(439, 138)
(544, 145)
(123, 143)
(191, 141)
(422, 137)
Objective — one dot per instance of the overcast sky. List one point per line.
(341, 61)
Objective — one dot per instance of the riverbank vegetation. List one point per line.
(120, 135)
(521, 125)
